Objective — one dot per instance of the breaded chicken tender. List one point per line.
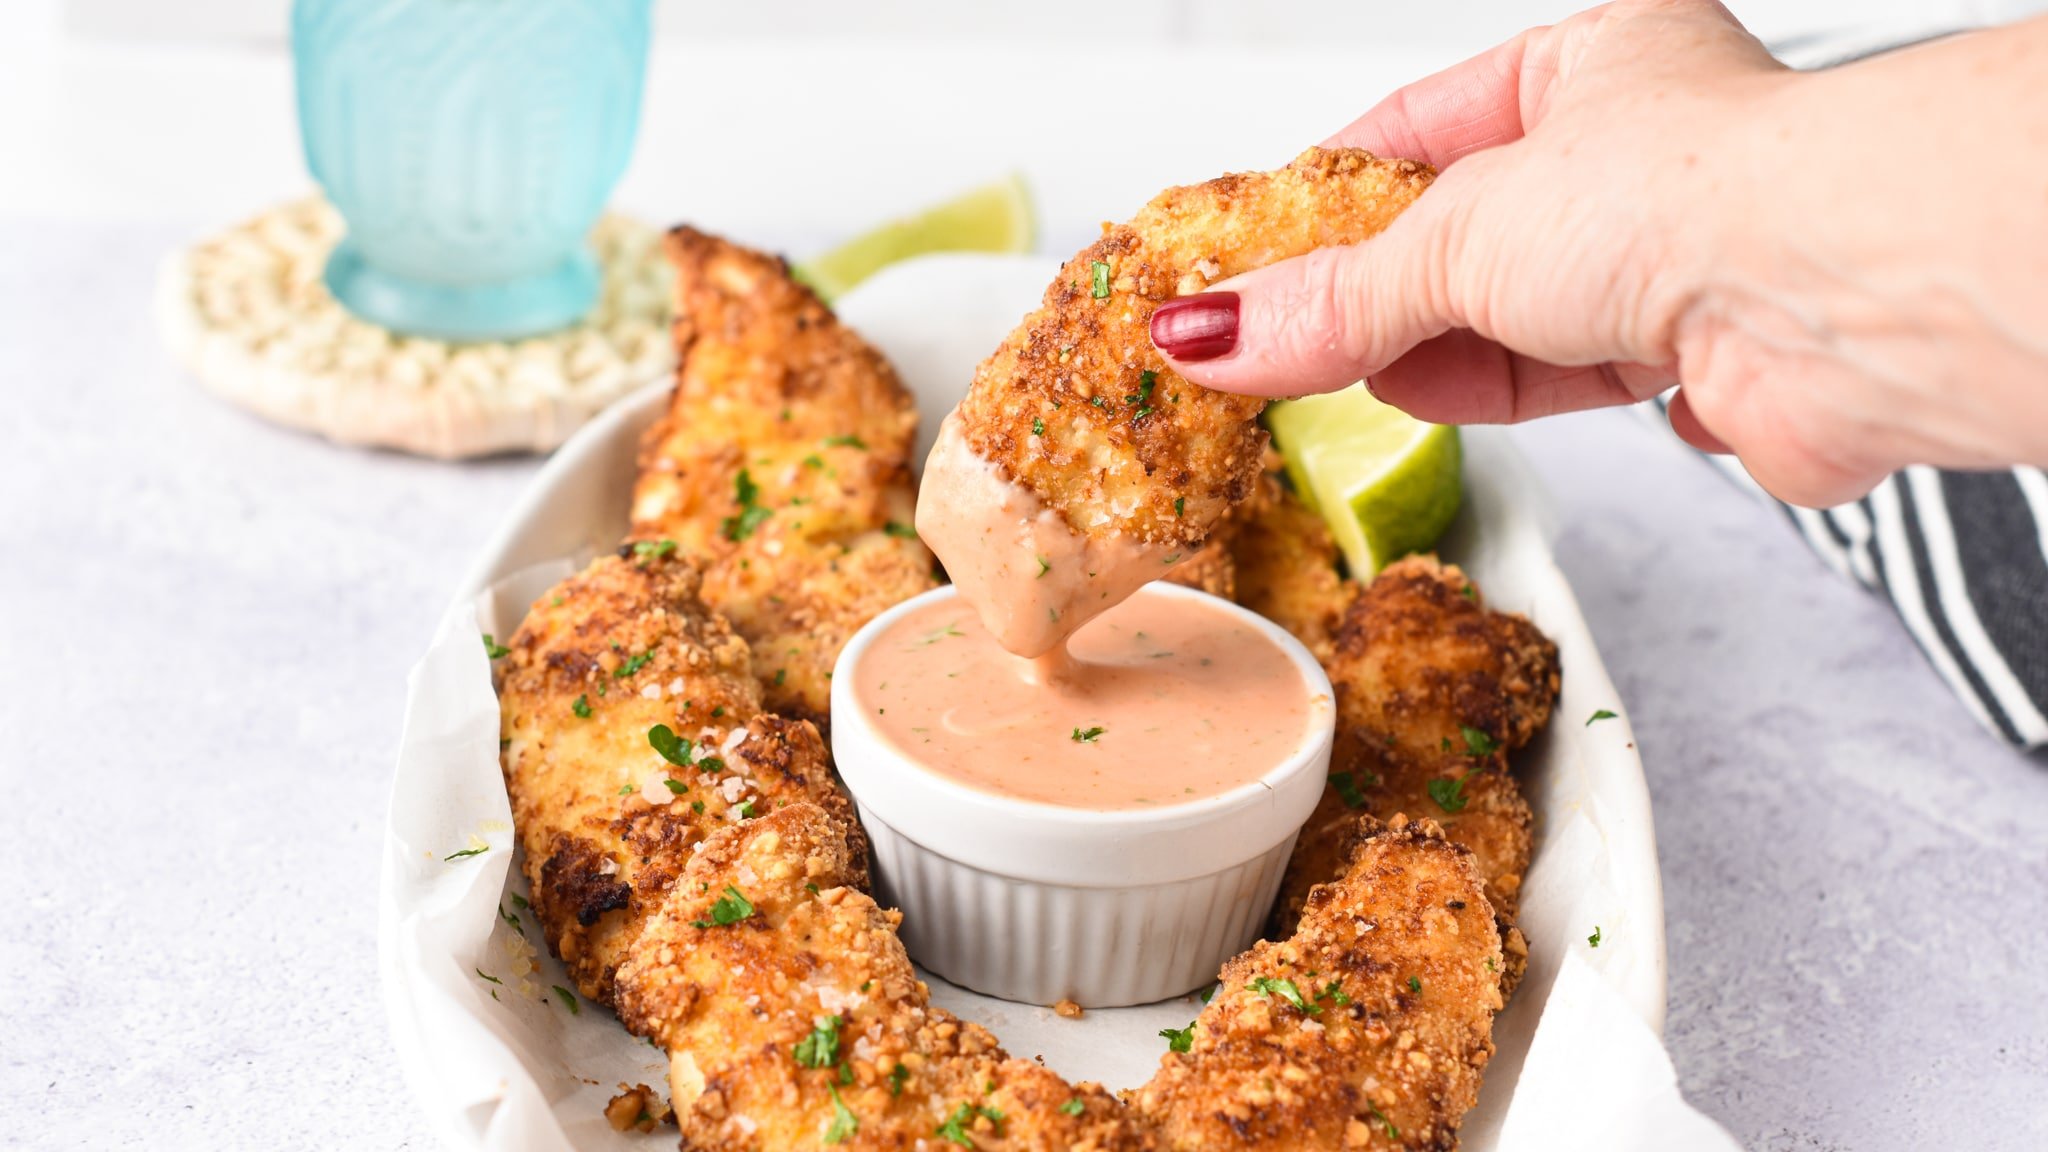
(1434, 691)
(1079, 412)
(1367, 1028)
(782, 466)
(792, 1017)
(1285, 563)
(607, 807)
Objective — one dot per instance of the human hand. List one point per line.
(1640, 197)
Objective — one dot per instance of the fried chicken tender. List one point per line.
(792, 1018)
(1116, 454)
(783, 466)
(1367, 1028)
(1080, 411)
(608, 821)
(1285, 563)
(1434, 691)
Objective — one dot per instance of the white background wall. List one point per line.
(796, 122)
(1166, 21)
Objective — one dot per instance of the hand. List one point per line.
(1640, 197)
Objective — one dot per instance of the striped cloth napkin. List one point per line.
(1963, 557)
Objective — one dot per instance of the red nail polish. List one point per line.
(1198, 327)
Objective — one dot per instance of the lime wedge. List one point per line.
(992, 218)
(1386, 483)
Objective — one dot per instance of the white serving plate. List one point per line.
(512, 1072)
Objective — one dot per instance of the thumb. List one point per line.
(1321, 321)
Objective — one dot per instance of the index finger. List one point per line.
(1463, 109)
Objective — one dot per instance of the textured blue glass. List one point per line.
(469, 145)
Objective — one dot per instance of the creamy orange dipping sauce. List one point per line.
(1161, 700)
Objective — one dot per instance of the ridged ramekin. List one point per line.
(1037, 903)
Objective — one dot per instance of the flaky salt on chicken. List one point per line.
(782, 466)
(1079, 414)
(1368, 1027)
(632, 728)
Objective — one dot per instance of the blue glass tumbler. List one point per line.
(469, 145)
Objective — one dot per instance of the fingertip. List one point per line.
(1686, 423)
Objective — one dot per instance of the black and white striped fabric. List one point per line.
(1963, 557)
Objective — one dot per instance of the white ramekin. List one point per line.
(1037, 903)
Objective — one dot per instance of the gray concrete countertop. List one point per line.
(202, 663)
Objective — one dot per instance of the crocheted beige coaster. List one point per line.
(245, 312)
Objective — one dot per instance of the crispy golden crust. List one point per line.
(1417, 661)
(628, 642)
(732, 1003)
(1397, 967)
(1286, 566)
(770, 386)
(1116, 455)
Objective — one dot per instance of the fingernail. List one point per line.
(1198, 327)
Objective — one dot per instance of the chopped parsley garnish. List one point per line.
(1087, 735)
(738, 528)
(487, 976)
(745, 809)
(581, 707)
(1179, 1039)
(896, 1079)
(676, 786)
(1449, 793)
(1393, 1133)
(1349, 789)
(1602, 714)
(509, 918)
(569, 1000)
(625, 789)
(1210, 992)
(814, 461)
(1147, 380)
(1594, 939)
(938, 634)
(633, 664)
(1333, 994)
(653, 548)
(1044, 566)
(1180, 505)
(1477, 743)
(1098, 401)
(1037, 426)
(848, 441)
(1415, 984)
(955, 1128)
(845, 1072)
(1098, 280)
(697, 806)
(1073, 1107)
(1469, 593)
(730, 908)
(494, 648)
(519, 902)
(821, 1048)
(844, 1122)
(466, 852)
(900, 530)
(673, 748)
(1284, 989)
